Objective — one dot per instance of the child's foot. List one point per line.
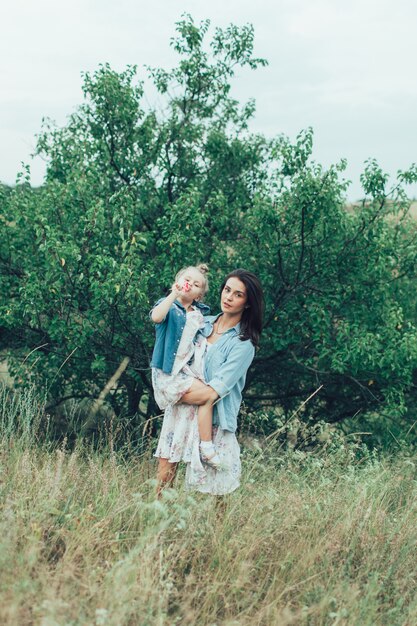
(209, 455)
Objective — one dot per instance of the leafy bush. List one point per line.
(132, 193)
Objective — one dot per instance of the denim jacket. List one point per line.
(227, 363)
(169, 333)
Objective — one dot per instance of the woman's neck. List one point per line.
(228, 320)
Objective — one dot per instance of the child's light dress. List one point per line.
(179, 438)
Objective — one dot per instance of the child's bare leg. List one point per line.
(165, 475)
(205, 421)
(208, 451)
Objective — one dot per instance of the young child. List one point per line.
(178, 354)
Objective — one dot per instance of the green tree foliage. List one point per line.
(132, 193)
(341, 310)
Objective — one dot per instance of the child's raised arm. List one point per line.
(159, 313)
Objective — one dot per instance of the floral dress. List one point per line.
(179, 439)
(169, 388)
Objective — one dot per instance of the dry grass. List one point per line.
(309, 539)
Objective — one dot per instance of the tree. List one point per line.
(341, 313)
(132, 194)
(129, 196)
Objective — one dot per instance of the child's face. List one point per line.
(195, 280)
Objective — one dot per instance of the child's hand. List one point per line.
(176, 289)
(180, 288)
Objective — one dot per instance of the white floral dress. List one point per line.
(179, 438)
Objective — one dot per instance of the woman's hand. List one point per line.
(199, 393)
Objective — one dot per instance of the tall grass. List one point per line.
(323, 538)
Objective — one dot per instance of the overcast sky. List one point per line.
(345, 68)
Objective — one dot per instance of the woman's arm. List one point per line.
(235, 366)
(199, 393)
(226, 377)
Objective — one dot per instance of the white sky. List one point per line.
(345, 68)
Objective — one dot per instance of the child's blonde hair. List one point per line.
(202, 268)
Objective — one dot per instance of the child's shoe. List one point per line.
(209, 455)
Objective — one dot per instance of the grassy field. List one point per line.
(325, 538)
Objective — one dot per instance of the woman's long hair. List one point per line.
(252, 317)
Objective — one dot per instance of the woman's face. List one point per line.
(234, 297)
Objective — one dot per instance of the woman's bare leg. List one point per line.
(165, 475)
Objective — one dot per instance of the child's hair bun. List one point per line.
(203, 268)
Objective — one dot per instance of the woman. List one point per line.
(231, 337)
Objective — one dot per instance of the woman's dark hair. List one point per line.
(251, 321)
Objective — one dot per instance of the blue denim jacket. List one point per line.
(169, 333)
(227, 363)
